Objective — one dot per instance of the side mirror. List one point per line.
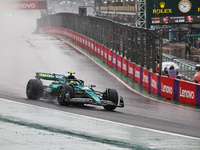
(93, 86)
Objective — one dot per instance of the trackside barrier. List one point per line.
(179, 90)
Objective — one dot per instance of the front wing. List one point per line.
(92, 102)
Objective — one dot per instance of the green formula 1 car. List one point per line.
(69, 90)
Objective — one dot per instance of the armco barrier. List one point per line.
(178, 90)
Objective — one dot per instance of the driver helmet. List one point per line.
(171, 67)
(73, 82)
(197, 67)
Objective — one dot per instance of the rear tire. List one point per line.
(34, 89)
(63, 89)
(112, 95)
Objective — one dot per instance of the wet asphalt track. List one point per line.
(22, 57)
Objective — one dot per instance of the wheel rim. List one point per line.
(29, 88)
(60, 95)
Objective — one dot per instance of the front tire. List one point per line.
(112, 95)
(62, 92)
(34, 89)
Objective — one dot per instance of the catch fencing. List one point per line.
(138, 45)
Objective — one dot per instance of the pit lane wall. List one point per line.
(178, 90)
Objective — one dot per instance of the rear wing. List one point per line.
(48, 76)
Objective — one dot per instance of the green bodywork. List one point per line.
(80, 90)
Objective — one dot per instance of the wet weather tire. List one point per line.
(34, 89)
(62, 92)
(112, 95)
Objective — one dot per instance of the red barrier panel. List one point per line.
(102, 53)
(96, 49)
(105, 55)
(109, 58)
(92, 47)
(145, 78)
(78, 40)
(59, 31)
(187, 92)
(74, 36)
(69, 34)
(137, 73)
(81, 41)
(65, 33)
(99, 50)
(124, 66)
(114, 63)
(154, 83)
(167, 87)
(119, 63)
(86, 44)
(130, 69)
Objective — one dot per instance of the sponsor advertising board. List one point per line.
(110, 57)
(114, 61)
(102, 52)
(187, 92)
(119, 63)
(145, 78)
(96, 49)
(105, 55)
(99, 50)
(124, 66)
(154, 83)
(167, 87)
(130, 70)
(137, 73)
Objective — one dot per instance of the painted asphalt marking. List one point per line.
(121, 124)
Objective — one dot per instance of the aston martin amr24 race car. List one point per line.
(69, 90)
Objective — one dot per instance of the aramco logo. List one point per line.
(162, 5)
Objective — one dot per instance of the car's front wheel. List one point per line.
(112, 95)
(34, 89)
(65, 92)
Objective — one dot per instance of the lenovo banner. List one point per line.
(92, 47)
(87, 44)
(187, 92)
(137, 73)
(105, 55)
(109, 58)
(124, 66)
(119, 63)
(96, 49)
(102, 53)
(145, 78)
(28, 5)
(114, 63)
(99, 50)
(130, 70)
(167, 87)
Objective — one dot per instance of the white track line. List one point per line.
(97, 119)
